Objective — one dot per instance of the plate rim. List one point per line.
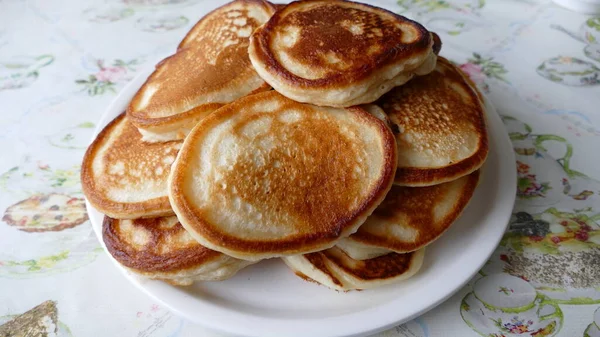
(338, 326)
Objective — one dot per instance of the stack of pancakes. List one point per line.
(325, 133)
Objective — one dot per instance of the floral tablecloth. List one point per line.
(62, 62)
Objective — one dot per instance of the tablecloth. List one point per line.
(63, 61)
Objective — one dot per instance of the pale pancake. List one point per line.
(339, 53)
(124, 177)
(410, 218)
(439, 121)
(378, 112)
(162, 249)
(210, 68)
(266, 176)
(336, 270)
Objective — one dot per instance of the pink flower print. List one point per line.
(154, 308)
(582, 235)
(111, 74)
(23, 221)
(139, 314)
(474, 71)
(536, 238)
(107, 77)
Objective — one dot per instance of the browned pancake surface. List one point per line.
(293, 177)
(410, 218)
(125, 177)
(440, 127)
(337, 42)
(211, 68)
(154, 245)
(378, 268)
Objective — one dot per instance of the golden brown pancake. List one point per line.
(439, 121)
(266, 176)
(210, 68)
(335, 269)
(124, 177)
(339, 53)
(162, 249)
(410, 218)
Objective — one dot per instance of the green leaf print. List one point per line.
(593, 23)
(464, 305)
(429, 5)
(498, 323)
(88, 125)
(68, 137)
(45, 262)
(489, 67)
(64, 178)
(6, 176)
(590, 38)
(129, 65)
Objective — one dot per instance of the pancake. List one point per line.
(410, 218)
(336, 270)
(439, 122)
(124, 177)
(161, 249)
(339, 53)
(378, 112)
(210, 68)
(266, 176)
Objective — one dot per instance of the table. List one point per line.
(62, 62)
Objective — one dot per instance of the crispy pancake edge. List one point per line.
(415, 177)
(156, 207)
(145, 261)
(189, 116)
(261, 41)
(381, 242)
(252, 250)
(378, 271)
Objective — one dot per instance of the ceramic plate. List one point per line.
(267, 299)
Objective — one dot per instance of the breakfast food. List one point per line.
(410, 218)
(335, 269)
(161, 249)
(266, 176)
(124, 177)
(366, 151)
(339, 53)
(210, 68)
(439, 122)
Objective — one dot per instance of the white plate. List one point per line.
(267, 299)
